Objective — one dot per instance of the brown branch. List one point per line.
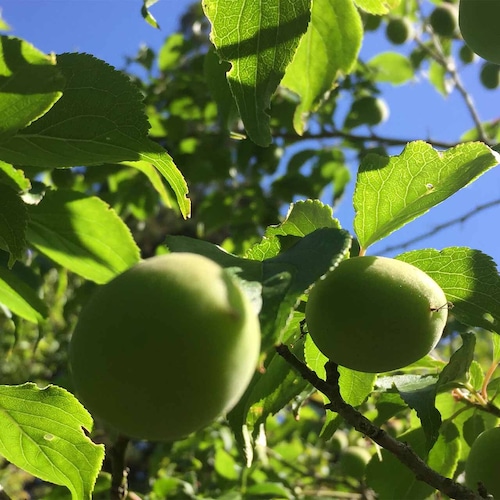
(440, 227)
(388, 141)
(119, 473)
(402, 451)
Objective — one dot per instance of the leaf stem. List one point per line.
(402, 451)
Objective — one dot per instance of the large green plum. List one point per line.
(375, 314)
(165, 348)
(483, 462)
(479, 22)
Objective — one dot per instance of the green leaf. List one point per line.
(330, 47)
(13, 177)
(355, 386)
(390, 479)
(17, 295)
(148, 17)
(259, 40)
(31, 84)
(390, 192)
(460, 362)
(391, 67)
(469, 279)
(437, 76)
(268, 490)
(41, 432)
(215, 72)
(472, 427)
(171, 52)
(83, 234)
(419, 393)
(99, 119)
(377, 7)
(13, 222)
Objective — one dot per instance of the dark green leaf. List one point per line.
(13, 222)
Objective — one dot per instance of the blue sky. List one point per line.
(114, 29)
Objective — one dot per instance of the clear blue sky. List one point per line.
(114, 29)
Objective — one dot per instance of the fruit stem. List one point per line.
(487, 378)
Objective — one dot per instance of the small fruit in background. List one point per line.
(444, 20)
(466, 54)
(353, 462)
(479, 22)
(367, 110)
(399, 30)
(490, 75)
(165, 348)
(483, 462)
(375, 314)
(371, 22)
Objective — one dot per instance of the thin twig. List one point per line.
(440, 227)
(388, 141)
(3, 494)
(119, 473)
(402, 451)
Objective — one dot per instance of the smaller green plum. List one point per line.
(490, 75)
(444, 20)
(375, 314)
(483, 462)
(399, 30)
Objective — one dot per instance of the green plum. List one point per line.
(165, 348)
(375, 314)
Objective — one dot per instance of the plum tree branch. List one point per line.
(440, 227)
(402, 451)
(439, 56)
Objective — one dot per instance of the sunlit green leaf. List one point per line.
(390, 192)
(329, 48)
(41, 432)
(83, 234)
(99, 119)
(259, 40)
(391, 67)
(31, 84)
(18, 296)
(146, 14)
(470, 280)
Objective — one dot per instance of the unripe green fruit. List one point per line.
(466, 54)
(371, 22)
(479, 22)
(353, 461)
(444, 20)
(483, 462)
(165, 348)
(490, 75)
(399, 30)
(367, 110)
(375, 314)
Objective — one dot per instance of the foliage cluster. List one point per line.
(262, 109)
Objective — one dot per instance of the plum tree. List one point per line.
(483, 462)
(165, 348)
(444, 20)
(399, 30)
(376, 314)
(478, 21)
